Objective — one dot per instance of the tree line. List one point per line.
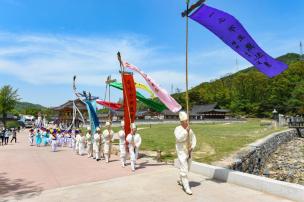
(249, 92)
(10, 105)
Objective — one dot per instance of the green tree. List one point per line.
(296, 102)
(8, 100)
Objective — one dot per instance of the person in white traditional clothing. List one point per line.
(54, 140)
(185, 143)
(97, 144)
(134, 140)
(69, 139)
(82, 142)
(59, 137)
(65, 138)
(73, 140)
(107, 135)
(122, 144)
(89, 142)
(77, 139)
(31, 137)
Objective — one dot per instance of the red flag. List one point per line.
(111, 105)
(129, 97)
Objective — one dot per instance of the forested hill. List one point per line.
(251, 92)
(25, 105)
(28, 108)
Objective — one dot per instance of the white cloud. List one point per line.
(54, 59)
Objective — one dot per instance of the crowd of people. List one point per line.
(6, 133)
(97, 146)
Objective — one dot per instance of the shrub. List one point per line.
(12, 124)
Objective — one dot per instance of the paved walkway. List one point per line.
(30, 169)
(153, 186)
(36, 174)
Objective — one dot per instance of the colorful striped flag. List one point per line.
(161, 93)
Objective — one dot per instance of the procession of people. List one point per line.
(97, 146)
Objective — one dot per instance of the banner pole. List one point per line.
(187, 41)
(187, 81)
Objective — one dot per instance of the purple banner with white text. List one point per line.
(231, 31)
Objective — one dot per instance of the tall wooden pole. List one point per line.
(187, 41)
(187, 89)
(186, 14)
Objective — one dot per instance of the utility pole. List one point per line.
(236, 64)
(301, 52)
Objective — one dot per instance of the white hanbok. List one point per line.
(89, 145)
(73, 142)
(77, 139)
(53, 142)
(122, 147)
(82, 142)
(59, 140)
(97, 145)
(31, 138)
(107, 147)
(182, 150)
(134, 144)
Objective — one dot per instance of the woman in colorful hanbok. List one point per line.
(45, 137)
(38, 138)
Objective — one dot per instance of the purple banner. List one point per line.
(230, 30)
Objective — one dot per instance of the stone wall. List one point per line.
(252, 159)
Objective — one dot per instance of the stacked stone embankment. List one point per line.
(253, 158)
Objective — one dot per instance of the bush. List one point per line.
(12, 124)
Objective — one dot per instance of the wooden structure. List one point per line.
(201, 112)
(167, 114)
(65, 113)
(208, 111)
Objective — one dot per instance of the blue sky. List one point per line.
(43, 43)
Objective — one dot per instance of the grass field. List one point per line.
(214, 141)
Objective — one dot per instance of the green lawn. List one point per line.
(214, 141)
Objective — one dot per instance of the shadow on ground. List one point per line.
(147, 164)
(17, 188)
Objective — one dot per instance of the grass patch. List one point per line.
(214, 141)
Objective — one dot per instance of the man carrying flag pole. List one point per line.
(233, 34)
(184, 136)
